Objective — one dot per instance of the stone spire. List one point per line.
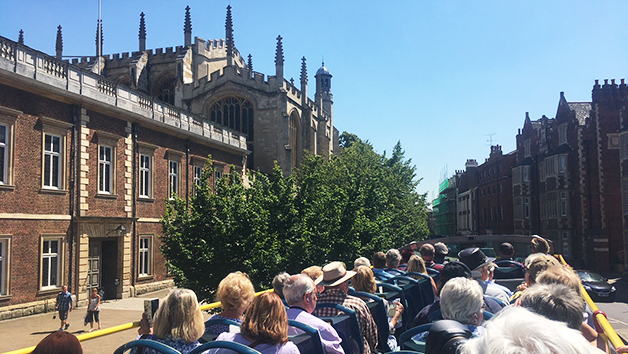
(279, 61)
(59, 43)
(187, 27)
(229, 36)
(20, 39)
(249, 65)
(142, 33)
(102, 39)
(303, 82)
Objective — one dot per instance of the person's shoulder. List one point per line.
(289, 348)
(228, 336)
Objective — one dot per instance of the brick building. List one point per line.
(90, 152)
(494, 196)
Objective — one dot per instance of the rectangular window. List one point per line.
(145, 256)
(51, 262)
(563, 203)
(562, 166)
(526, 207)
(7, 125)
(623, 145)
(516, 176)
(524, 173)
(526, 148)
(4, 151)
(501, 212)
(517, 209)
(5, 251)
(53, 158)
(562, 134)
(105, 169)
(174, 179)
(145, 176)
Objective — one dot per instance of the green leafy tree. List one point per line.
(351, 205)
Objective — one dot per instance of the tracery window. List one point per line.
(234, 113)
(166, 92)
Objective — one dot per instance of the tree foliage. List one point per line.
(354, 204)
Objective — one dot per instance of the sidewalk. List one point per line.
(27, 331)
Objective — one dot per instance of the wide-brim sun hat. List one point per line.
(334, 273)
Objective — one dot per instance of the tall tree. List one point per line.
(351, 205)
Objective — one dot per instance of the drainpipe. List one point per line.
(76, 114)
(187, 173)
(134, 131)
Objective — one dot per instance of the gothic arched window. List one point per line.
(235, 113)
(166, 91)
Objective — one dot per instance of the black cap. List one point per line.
(454, 269)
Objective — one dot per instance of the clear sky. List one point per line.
(442, 77)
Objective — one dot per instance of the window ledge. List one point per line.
(7, 187)
(53, 191)
(106, 196)
(145, 277)
(6, 297)
(145, 199)
(48, 291)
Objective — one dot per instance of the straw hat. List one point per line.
(334, 273)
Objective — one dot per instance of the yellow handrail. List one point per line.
(609, 331)
(119, 328)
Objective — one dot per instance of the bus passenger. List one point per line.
(278, 281)
(393, 259)
(361, 261)
(440, 251)
(300, 292)
(518, 330)
(416, 265)
(478, 262)
(364, 281)
(335, 278)
(427, 252)
(235, 292)
(461, 300)
(539, 245)
(379, 263)
(178, 322)
(265, 328)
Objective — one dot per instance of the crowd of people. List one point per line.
(546, 313)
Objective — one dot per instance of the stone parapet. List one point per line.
(19, 62)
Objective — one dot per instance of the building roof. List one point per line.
(323, 71)
(582, 109)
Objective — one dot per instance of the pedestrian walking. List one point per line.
(93, 310)
(64, 305)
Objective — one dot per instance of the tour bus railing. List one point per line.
(123, 327)
(600, 317)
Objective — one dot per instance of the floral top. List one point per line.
(178, 344)
(220, 328)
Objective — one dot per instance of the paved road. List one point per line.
(28, 331)
(617, 312)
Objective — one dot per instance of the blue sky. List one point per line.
(439, 76)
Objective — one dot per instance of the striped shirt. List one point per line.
(367, 324)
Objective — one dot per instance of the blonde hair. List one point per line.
(364, 280)
(540, 245)
(235, 290)
(266, 320)
(179, 317)
(416, 265)
(314, 272)
(560, 275)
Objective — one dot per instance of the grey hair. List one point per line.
(278, 283)
(516, 330)
(557, 302)
(460, 298)
(362, 261)
(393, 258)
(297, 286)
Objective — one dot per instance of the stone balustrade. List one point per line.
(44, 69)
